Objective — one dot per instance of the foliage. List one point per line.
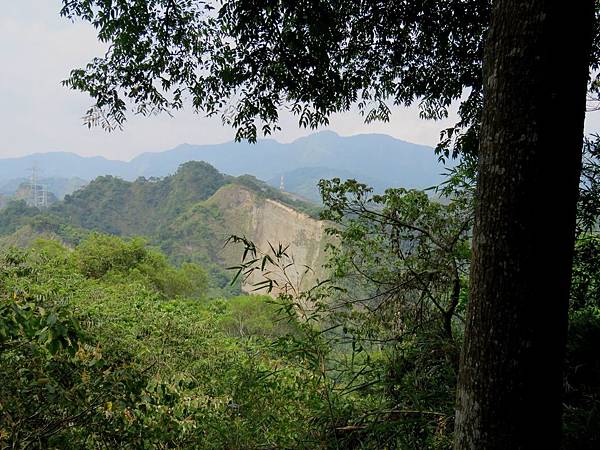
(246, 60)
(54, 379)
(582, 399)
(317, 58)
(245, 315)
(90, 362)
(403, 257)
(380, 334)
(402, 260)
(588, 208)
(582, 377)
(15, 215)
(112, 258)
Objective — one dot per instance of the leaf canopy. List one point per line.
(247, 60)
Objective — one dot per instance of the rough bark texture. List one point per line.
(535, 72)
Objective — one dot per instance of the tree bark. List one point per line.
(535, 72)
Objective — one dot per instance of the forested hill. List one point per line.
(189, 215)
(379, 160)
(113, 205)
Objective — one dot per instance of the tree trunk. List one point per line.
(535, 72)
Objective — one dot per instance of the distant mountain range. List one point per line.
(376, 159)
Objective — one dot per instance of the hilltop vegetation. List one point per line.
(184, 214)
(142, 207)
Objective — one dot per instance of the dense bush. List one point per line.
(111, 258)
(244, 315)
(93, 355)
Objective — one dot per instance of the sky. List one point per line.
(38, 48)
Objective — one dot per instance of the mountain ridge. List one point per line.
(386, 161)
(189, 215)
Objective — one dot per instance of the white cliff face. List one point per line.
(265, 221)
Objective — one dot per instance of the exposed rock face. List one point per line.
(265, 221)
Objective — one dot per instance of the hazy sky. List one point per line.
(37, 114)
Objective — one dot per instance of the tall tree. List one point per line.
(510, 383)
(249, 59)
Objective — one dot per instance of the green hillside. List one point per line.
(120, 207)
(188, 215)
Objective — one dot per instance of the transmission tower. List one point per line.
(281, 184)
(44, 198)
(38, 193)
(33, 187)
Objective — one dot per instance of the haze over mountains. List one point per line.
(378, 160)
